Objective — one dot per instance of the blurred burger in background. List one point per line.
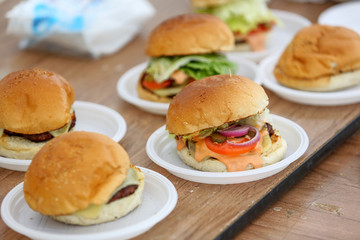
(184, 49)
(35, 106)
(320, 58)
(249, 20)
(222, 124)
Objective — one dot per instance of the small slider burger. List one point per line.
(35, 106)
(83, 178)
(222, 124)
(320, 58)
(249, 20)
(184, 49)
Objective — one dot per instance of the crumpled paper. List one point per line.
(81, 27)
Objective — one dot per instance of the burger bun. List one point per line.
(190, 34)
(320, 58)
(213, 101)
(35, 101)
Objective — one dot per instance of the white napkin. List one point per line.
(92, 27)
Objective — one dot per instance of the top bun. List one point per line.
(213, 101)
(207, 3)
(73, 171)
(34, 101)
(319, 51)
(190, 34)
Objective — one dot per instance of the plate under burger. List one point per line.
(161, 149)
(341, 97)
(278, 38)
(158, 200)
(127, 84)
(344, 14)
(90, 117)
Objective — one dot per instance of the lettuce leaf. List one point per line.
(196, 66)
(241, 15)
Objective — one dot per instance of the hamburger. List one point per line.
(83, 178)
(35, 106)
(320, 58)
(249, 20)
(222, 124)
(184, 49)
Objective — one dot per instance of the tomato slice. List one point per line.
(262, 27)
(152, 85)
(227, 149)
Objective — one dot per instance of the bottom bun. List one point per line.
(321, 84)
(111, 211)
(147, 95)
(19, 147)
(275, 153)
(272, 155)
(206, 165)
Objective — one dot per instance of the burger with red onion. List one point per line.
(221, 124)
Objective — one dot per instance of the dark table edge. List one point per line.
(290, 180)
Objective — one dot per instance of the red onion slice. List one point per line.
(235, 131)
(252, 141)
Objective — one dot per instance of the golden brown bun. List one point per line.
(213, 101)
(272, 155)
(34, 101)
(147, 95)
(316, 55)
(73, 171)
(190, 34)
(207, 3)
(110, 211)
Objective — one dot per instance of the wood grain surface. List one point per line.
(324, 205)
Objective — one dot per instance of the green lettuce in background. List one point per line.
(196, 66)
(241, 15)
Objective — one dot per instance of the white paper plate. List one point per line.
(341, 97)
(162, 150)
(344, 14)
(279, 37)
(158, 200)
(90, 117)
(126, 86)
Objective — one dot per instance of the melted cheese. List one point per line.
(62, 130)
(93, 210)
(233, 163)
(90, 212)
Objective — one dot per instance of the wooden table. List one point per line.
(322, 205)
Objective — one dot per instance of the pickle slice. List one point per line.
(218, 138)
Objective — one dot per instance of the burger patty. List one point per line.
(270, 129)
(41, 137)
(124, 192)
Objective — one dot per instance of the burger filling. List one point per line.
(247, 19)
(238, 144)
(166, 76)
(41, 137)
(127, 188)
